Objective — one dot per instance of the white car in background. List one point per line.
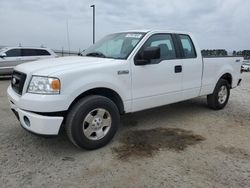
(245, 67)
(13, 56)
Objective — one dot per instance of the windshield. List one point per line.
(117, 46)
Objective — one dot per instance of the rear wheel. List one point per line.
(92, 122)
(219, 98)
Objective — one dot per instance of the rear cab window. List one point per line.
(187, 46)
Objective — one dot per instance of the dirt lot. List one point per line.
(180, 145)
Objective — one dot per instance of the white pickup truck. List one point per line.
(122, 73)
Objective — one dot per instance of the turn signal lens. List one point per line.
(55, 85)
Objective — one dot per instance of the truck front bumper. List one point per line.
(38, 124)
(34, 122)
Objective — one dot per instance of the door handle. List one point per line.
(178, 69)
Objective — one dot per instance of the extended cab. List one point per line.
(122, 73)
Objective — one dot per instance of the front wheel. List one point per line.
(92, 122)
(219, 98)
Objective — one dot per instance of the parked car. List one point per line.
(245, 67)
(12, 56)
(122, 73)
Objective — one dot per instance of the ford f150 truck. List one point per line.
(122, 73)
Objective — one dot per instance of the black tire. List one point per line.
(213, 99)
(77, 115)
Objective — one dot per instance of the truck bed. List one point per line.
(213, 68)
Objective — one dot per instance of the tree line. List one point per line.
(223, 52)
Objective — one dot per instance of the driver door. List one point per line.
(159, 82)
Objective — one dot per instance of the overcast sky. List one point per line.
(215, 23)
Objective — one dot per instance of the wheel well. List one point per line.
(227, 77)
(109, 93)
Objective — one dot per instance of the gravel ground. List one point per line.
(179, 145)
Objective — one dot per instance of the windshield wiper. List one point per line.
(96, 54)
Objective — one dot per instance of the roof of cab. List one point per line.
(155, 31)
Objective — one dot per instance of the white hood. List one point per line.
(48, 66)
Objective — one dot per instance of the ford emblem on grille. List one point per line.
(13, 81)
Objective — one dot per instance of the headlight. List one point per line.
(44, 85)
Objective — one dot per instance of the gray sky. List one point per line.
(215, 23)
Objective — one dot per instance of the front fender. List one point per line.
(75, 87)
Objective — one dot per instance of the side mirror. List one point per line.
(148, 54)
(3, 55)
(151, 53)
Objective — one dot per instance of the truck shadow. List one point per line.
(148, 142)
(146, 133)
